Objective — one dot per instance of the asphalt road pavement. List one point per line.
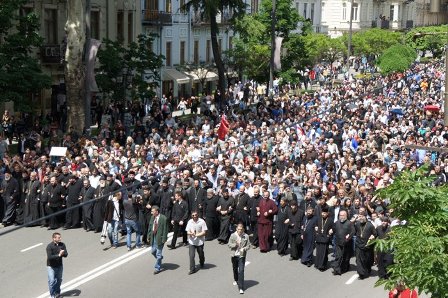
(91, 270)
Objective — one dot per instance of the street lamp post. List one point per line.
(271, 62)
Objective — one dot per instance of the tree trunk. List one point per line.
(74, 67)
(217, 55)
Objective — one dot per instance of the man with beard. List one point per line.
(32, 200)
(179, 220)
(196, 197)
(308, 201)
(265, 211)
(165, 197)
(225, 209)
(211, 216)
(241, 212)
(343, 232)
(55, 202)
(281, 227)
(10, 194)
(364, 231)
(87, 194)
(147, 201)
(254, 201)
(308, 232)
(323, 235)
(294, 221)
(73, 190)
(43, 197)
(23, 179)
(100, 204)
(384, 258)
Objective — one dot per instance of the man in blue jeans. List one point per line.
(239, 245)
(157, 236)
(56, 250)
(130, 219)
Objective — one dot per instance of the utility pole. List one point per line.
(88, 95)
(271, 67)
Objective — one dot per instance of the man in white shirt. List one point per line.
(196, 229)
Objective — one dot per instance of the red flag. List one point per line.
(223, 128)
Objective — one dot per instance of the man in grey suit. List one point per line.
(157, 236)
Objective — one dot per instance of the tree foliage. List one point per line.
(431, 38)
(396, 59)
(374, 41)
(322, 47)
(420, 246)
(20, 72)
(133, 69)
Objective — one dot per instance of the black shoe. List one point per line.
(157, 271)
(336, 273)
(65, 228)
(171, 247)
(202, 266)
(185, 244)
(193, 271)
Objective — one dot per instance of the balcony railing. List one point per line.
(155, 17)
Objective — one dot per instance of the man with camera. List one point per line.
(56, 250)
(130, 206)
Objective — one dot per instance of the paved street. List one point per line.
(90, 271)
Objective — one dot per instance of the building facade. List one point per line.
(116, 20)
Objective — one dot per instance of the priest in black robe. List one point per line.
(226, 206)
(99, 207)
(365, 232)
(32, 200)
(282, 227)
(384, 258)
(308, 236)
(343, 232)
(294, 221)
(323, 235)
(211, 216)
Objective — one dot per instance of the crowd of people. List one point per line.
(298, 171)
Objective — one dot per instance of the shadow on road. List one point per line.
(169, 266)
(250, 283)
(208, 266)
(71, 293)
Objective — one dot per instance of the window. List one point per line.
(95, 24)
(230, 42)
(207, 50)
(151, 4)
(182, 6)
(168, 53)
(130, 27)
(196, 52)
(182, 53)
(312, 13)
(168, 6)
(220, 45)
(298, 7)
(50, 26)
(355, 11)
(305, 9)
(344, 11)
(391, 12)
(120, 29)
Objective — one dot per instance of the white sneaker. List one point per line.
(235, 283)
(241, 291)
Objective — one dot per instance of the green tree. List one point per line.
(374, 41)
(210, 9)
(322, 47)
(396, 59)
(430, 38)
(285, 17)
(420, 247)
(128, 70)
(18, 39)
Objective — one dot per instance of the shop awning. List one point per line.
(201, 73)
(171, 74)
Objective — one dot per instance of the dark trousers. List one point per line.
(72, 219)
(254, 227)
(192, 252)
(54, 220)
(364, 261)
(238, 264)
(177, 231)
(87, 217)
(296, 246)
(384, 261)
(213, 228)
(342, 258)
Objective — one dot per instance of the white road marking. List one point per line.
(31, 247)
(247, 263)
(352, 279)
(99, 270)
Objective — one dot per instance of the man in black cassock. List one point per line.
(241, 212)
(281, 227)
(87, 193)
(343, 232)
(294, 221)
(308, 232)
(32, 200)
(364, 231)
(10, 192)
(225, 208)
(253, 203)
(384, 258)
(195, 196)
(323, 235)
(99, 206)
(211, 216)
(73, 190)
